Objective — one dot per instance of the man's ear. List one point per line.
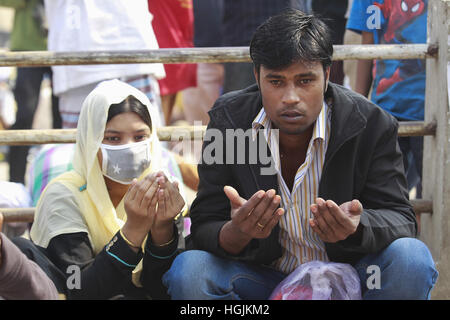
(256, 74)
(327, 78)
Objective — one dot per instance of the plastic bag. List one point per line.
(318, 280)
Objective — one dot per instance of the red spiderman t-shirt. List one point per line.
(399, 85)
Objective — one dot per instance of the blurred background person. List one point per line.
(14, 195)
(29, 33)
(197, 101)
(100, 25)
(173, 23)
(333, 13)
(350, 66)
(397, 86)
(240, 20)
(8, 105)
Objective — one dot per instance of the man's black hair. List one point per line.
(289, 37)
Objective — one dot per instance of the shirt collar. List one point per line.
(320, 126)
(261, 121)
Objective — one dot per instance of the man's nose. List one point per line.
(290, 95)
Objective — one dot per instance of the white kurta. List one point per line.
(99, 25)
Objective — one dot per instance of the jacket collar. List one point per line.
(347, 120)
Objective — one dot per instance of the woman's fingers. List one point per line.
(149, 195)
(131, 192)
(161, 202)
(143, 197)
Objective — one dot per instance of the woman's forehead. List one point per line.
(127, 121)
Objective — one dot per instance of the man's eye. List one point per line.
(305, 81)
(275, 82)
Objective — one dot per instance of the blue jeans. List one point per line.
(407, 271)
(26, 93)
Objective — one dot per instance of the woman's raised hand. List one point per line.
(140, 205)
(151, 205)
(170, 204)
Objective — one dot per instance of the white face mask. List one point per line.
(123, 163)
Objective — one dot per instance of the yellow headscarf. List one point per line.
(85, 189)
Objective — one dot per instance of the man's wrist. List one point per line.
(232, 240)
(356, 237)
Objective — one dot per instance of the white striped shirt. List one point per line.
(299, 242)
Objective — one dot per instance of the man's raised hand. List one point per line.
(334, 223)
(257, 216)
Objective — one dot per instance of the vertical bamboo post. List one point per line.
(435, 228)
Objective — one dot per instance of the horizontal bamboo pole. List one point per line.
(196, 55)
(37, 136)
(17, 214)
(416, 128)
(169, 133)
(27, 214)
(48, 136)
(422, 206)
(384, 51)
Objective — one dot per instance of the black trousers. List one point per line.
(39, 256)
(412, 149)
(26, 93)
